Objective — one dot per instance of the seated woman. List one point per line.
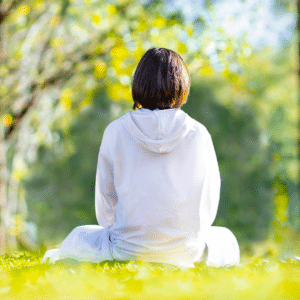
(157, 180)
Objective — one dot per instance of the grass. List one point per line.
(268, 276)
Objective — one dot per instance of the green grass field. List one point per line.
(23, 276)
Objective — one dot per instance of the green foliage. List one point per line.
(246, 192)
(253, 119)
(60, 192)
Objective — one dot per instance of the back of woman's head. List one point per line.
(161, 80)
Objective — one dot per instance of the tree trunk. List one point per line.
(3, 175)
(3, 194)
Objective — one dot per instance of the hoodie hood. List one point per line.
(159, 131)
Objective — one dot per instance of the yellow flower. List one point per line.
(23, 9)
(114, 92)
(88, 99)
(118, 91)
(119, 53)
(7, 119)
(17, 175)
(39, 5)
(65, 98)
(138, 52)
(66, 102)
(226, 72)
(54, 21)
(100, 69)
(127, 94)
(56, 42)
(111, 9)
(181, 47)
(160, 22)
(96, 18)
(190, 30)
(142, 26)
(205, 71)
(228, 49)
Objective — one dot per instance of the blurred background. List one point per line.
(66, 69)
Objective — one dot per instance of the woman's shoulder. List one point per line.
(115, 124)
(111, 133)
(198, 126)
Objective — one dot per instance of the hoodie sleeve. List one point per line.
(105, 194)
(211, 186)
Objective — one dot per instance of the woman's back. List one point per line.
(164, 168)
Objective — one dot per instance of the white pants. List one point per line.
(91, 243)
(222, 247)
(84, 243)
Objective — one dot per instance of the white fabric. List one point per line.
(223, 248)
(157, 194)
(88, 243)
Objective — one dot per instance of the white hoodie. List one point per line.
(157, 186)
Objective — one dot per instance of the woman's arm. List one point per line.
(105, 194)
(211, 186)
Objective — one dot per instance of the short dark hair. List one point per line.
(161, 80)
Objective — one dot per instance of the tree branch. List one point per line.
(61, 75)
(5, 12)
